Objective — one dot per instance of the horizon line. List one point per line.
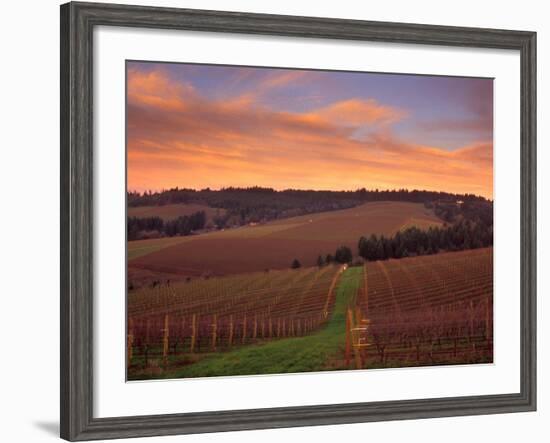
(156, 191)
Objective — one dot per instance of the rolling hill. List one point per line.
(273, 245)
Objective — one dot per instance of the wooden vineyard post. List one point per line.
(244, 329)
(455, 350)
(279, 327)
(366, 290)
(255, 330)
(270, 328)
(165, 338)
(130, 343)
(471, 312)
(358, 315)
(358, 350)
(230, 340)
(183, 332)
(299, 327)
(365, 353)
(488, 329)
(348, 338)
(147, 336)
(263, 327)
(358, 364)
(193, 332)
(214, 331)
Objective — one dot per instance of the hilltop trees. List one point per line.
(255, 196)
(343, 255)
(256, 204)
(183, 225)
(295, 264)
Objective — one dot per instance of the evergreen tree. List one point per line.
(343, 255)
(461, 235)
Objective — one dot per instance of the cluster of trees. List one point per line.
(413, 241)
(147, 227)
(257, 204)
(342, 255)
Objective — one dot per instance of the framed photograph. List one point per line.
(272, 221)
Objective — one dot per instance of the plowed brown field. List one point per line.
(275, 244)
(170, 212)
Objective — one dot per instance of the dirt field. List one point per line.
(273, 245)
(170, 212)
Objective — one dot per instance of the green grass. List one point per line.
(322, 350)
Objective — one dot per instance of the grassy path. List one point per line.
(322, 350)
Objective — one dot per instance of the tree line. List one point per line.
(141, 227)
(258, 204)
(342, 255)
(413, 241)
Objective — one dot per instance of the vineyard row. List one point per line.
(172, 335)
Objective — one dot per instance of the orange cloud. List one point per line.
(178, 138)
(356, 112)
(283, 78)
(154, 89)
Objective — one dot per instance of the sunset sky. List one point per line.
(198, 126)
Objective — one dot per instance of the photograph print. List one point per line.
(288, 220)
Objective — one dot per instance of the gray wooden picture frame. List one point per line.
(77, 24)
